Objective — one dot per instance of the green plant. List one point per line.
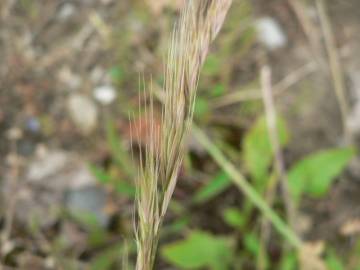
(184, 253)
(314, 174)
(251, 193)
(214, 187)
(199, 250)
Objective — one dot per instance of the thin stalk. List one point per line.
(271, 121)
(279, 174)
(254, 94)
(310, 31)
(335, 65)
(246, 188)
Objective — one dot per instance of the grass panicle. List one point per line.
(199, 24)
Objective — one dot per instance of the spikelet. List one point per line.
(199, 24)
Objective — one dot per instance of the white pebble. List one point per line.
(105, 94)
(270, 33)
(66, 11)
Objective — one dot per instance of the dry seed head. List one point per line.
(199, 23)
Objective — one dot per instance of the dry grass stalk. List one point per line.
(310, 31)
(335, 66)
(271, 121)
(280, 172)
(278, 89)
(199, 24)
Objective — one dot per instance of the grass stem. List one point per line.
(240, 181)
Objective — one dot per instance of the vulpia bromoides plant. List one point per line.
(199, 23)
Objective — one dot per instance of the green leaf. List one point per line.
(199, 250)
(252, 244)
(234, 218)
(289, 261)
(333, 262)
(117, 150)
(215, 186)
(176, 227)
(100, 174)
(121, 187)
(258, 152)
(107, 258)
(117, 74)
(125, 188)
(315, 173)
(212, 65)
(201, 108)
(218, 90)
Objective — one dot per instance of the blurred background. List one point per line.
(71, 73)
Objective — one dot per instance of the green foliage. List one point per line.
(315, 173)
(289, 261)
(199, 250)
(237, 41)
(212, 65)
(215, 186)
(121, 187)
(245, 9)
(117, 150)
(333, 262)
(258, 153)
(201, 108)
(122, 162)
(234, 217)
(97, 235)
(176, 227)
(30, 7)
(117, 74)
(252, 244)
(218, 90)
(106, 258)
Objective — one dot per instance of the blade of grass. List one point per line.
(245, 187)
(213, 188)
(118, 152)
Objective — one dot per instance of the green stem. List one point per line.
(249, 191)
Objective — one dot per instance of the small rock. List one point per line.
(7, 247)
(59, 170)
(33, 125)
(14, 134)
(47, 165)
(83, 112)
(51, 175)
(105, 94)
(66, 11)
(270, 33)
(88, 200)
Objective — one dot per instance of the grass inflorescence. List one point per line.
(199, 23)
